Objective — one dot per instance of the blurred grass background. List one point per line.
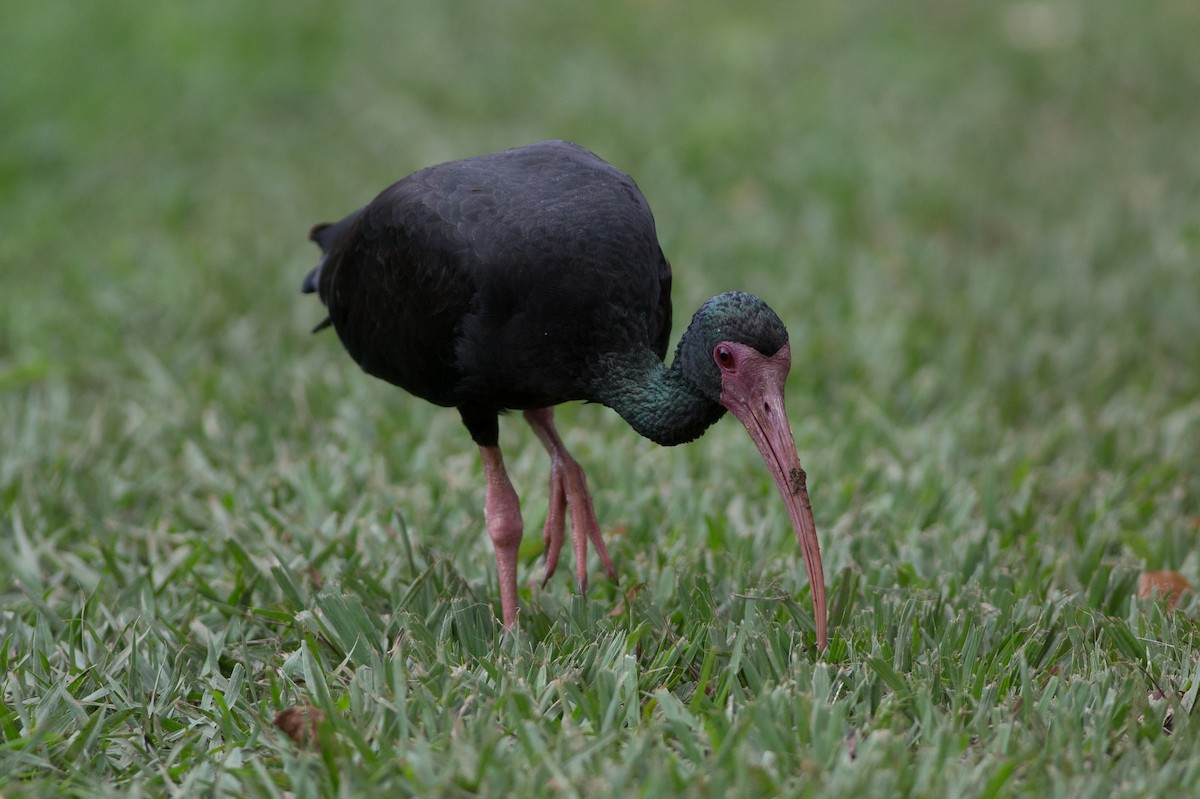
(979, 221)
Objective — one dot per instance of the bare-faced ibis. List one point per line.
(534, 276)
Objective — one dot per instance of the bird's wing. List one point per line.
(498, 280)
(395, 294)
(567, 268)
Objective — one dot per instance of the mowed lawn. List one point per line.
(980, 222)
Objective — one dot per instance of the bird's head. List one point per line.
(738, 321)
(736, 353)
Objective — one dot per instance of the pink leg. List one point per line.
(568, 489)
(503, 515)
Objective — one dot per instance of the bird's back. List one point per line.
(497, 281)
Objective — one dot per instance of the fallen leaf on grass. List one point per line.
(1155, 698)
(633, 591)
(1167, 583)
(300, 723)
(851, 742)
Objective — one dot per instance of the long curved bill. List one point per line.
(757, 402)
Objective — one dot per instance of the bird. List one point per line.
(530, 277)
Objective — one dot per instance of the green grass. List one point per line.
(981, 223)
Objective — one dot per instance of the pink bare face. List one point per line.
(752, 390)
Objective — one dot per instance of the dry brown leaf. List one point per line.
(1156, 698)
(633, 591)
(1169, 584)
(300, 722)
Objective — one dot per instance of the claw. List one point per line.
(568, 490)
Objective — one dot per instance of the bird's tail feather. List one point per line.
(313, 279)
(326, 235)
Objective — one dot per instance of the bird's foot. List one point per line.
(568, 491)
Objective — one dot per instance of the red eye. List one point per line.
(724, 356)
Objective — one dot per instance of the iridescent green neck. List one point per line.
(676, 405)
(659, 403)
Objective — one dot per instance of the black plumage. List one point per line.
(477, 284)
